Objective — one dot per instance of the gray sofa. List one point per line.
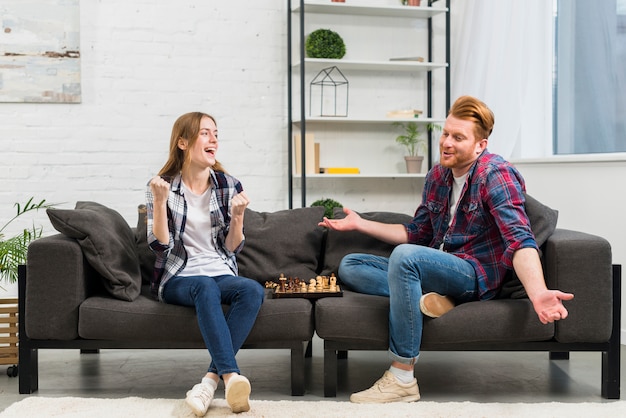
(72, 297)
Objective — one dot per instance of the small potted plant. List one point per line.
(415, 144)
(329, 206)
(324, 43)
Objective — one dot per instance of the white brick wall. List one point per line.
(144, 63)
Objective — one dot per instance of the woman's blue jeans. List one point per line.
(223, 333)
(410, 271)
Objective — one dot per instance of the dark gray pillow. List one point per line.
(145, 254)
(107, 242)
(543, 221)
(287, 241)
(339, 244)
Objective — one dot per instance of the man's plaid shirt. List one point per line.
(490, 222)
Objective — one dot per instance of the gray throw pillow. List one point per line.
(339, 244)
(543, 221)
(107, 242)
(287, 242)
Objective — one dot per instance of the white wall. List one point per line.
(144, 63)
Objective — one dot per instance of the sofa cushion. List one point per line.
(339, 244)
(107, 242)
(287, 241)
(144, 253)
(104, 318)
(368, 320)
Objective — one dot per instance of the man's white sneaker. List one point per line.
(238, 394)
(388, 389)
(199, 398)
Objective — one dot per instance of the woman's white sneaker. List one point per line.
(199, 397)
(238, 394)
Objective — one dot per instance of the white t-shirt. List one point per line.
(457, 188)
(202, 257)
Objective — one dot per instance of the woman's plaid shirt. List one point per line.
(172, 257)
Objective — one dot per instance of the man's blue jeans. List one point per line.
(410, 271)
(223, 333)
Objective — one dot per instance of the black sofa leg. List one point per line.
(559, 355)
(611, 358)
(28, 370)
(28, 360)
(297, 370)
(330, 371)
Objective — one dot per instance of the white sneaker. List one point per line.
(238, 394)
(199, 398)
(388, 389)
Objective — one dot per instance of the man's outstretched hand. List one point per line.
(549, 305)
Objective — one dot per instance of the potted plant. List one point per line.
(329, 206)
(13, 253)
(324, 43)
(415, 144)
(13, 250)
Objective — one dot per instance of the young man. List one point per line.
(469, 230)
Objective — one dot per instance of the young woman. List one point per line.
(195, 228)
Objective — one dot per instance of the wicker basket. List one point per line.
(8, 331)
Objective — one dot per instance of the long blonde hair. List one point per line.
(186, 127)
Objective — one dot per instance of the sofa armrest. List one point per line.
(581, 263)
(56, 285)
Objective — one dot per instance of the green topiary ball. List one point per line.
(324, 43)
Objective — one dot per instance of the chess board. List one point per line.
(320, 287)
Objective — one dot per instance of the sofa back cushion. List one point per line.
(339, 244)
(286, 241)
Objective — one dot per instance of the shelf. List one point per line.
(384, 11)
(361, 176)
(342, 64)
(370, 121)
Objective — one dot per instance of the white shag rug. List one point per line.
(133, 407)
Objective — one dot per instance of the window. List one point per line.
(589, 78)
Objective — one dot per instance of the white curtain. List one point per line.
(501, 52)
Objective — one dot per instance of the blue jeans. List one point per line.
(409, 271)
(223, 333)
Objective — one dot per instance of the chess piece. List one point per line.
(312, 285)
(283, 282)
(333, 284)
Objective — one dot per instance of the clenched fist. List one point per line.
(239, 204)
(160, 189)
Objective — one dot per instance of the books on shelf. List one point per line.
(418, 59)
(406, 113)
(312, 149)
(340, 170)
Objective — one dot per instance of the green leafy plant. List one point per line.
(324, 43)
(412, 138)
(13, 250)
(328, 204)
